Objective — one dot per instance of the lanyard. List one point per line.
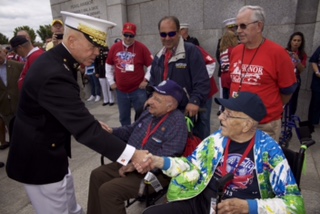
(167, 56)
(151, 132)
(242, 76)
(226, 154)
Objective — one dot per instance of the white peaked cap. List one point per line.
(184, 25)
(230, 22)
(93, 28)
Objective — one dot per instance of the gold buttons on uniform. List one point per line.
(53, 145)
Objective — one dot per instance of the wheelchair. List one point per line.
(289, 123)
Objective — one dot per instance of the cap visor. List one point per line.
(227, 103)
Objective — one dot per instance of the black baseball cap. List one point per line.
(245, 102)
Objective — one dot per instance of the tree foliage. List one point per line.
(44, 32)
(3, 39)
(28, 29)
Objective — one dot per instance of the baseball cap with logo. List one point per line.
(94, 29)
(246, 102)
(129, 28)
(171, 88)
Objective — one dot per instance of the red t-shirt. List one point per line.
(138, 55)
(270, 70)
(30, 60)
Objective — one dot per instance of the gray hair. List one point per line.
(258, 12)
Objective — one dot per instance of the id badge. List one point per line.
(129, 67)
(235, 94)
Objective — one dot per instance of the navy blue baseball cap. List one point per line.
(17, 40)
(245, 102)
(170, 87)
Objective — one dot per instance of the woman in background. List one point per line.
(295, 48)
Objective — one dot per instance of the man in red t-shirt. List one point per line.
(263, 67)
(23, 47)
(125, 72)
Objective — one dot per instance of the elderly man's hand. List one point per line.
(233, 206)
(141, 159)
(191, 110)
(143, 84)
(124, 169)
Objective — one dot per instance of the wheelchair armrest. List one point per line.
(307, 142)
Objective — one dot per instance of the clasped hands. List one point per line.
(148, 161)
(142, 161)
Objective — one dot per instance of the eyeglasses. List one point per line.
(244, 26)
(227, 116)
(170, 34)
(128, 35)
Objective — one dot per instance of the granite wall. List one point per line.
(205, 19)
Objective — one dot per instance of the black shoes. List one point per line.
(110, 104)
(4, 146)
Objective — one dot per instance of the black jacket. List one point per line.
(49, 112)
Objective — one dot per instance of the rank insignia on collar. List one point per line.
(66, 67)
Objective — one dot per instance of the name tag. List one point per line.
(129, 67)
(181, 65)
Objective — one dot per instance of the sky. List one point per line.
(17, 13)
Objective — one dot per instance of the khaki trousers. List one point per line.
(108, 191)
(273, 128)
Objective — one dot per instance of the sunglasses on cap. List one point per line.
(244, 26)
(170, 34)
(128, 35)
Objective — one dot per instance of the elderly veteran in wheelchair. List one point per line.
(161, 129)
(261, 180)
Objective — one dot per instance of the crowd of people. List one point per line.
(42, 107)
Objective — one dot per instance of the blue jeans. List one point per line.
(202, 126)
(95, 85)
(314, 108)
(294, 99)
(125, 100)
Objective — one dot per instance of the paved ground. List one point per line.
(13, 199)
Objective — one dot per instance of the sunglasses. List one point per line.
(170, 34)
(244, 26)
(128, 35)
